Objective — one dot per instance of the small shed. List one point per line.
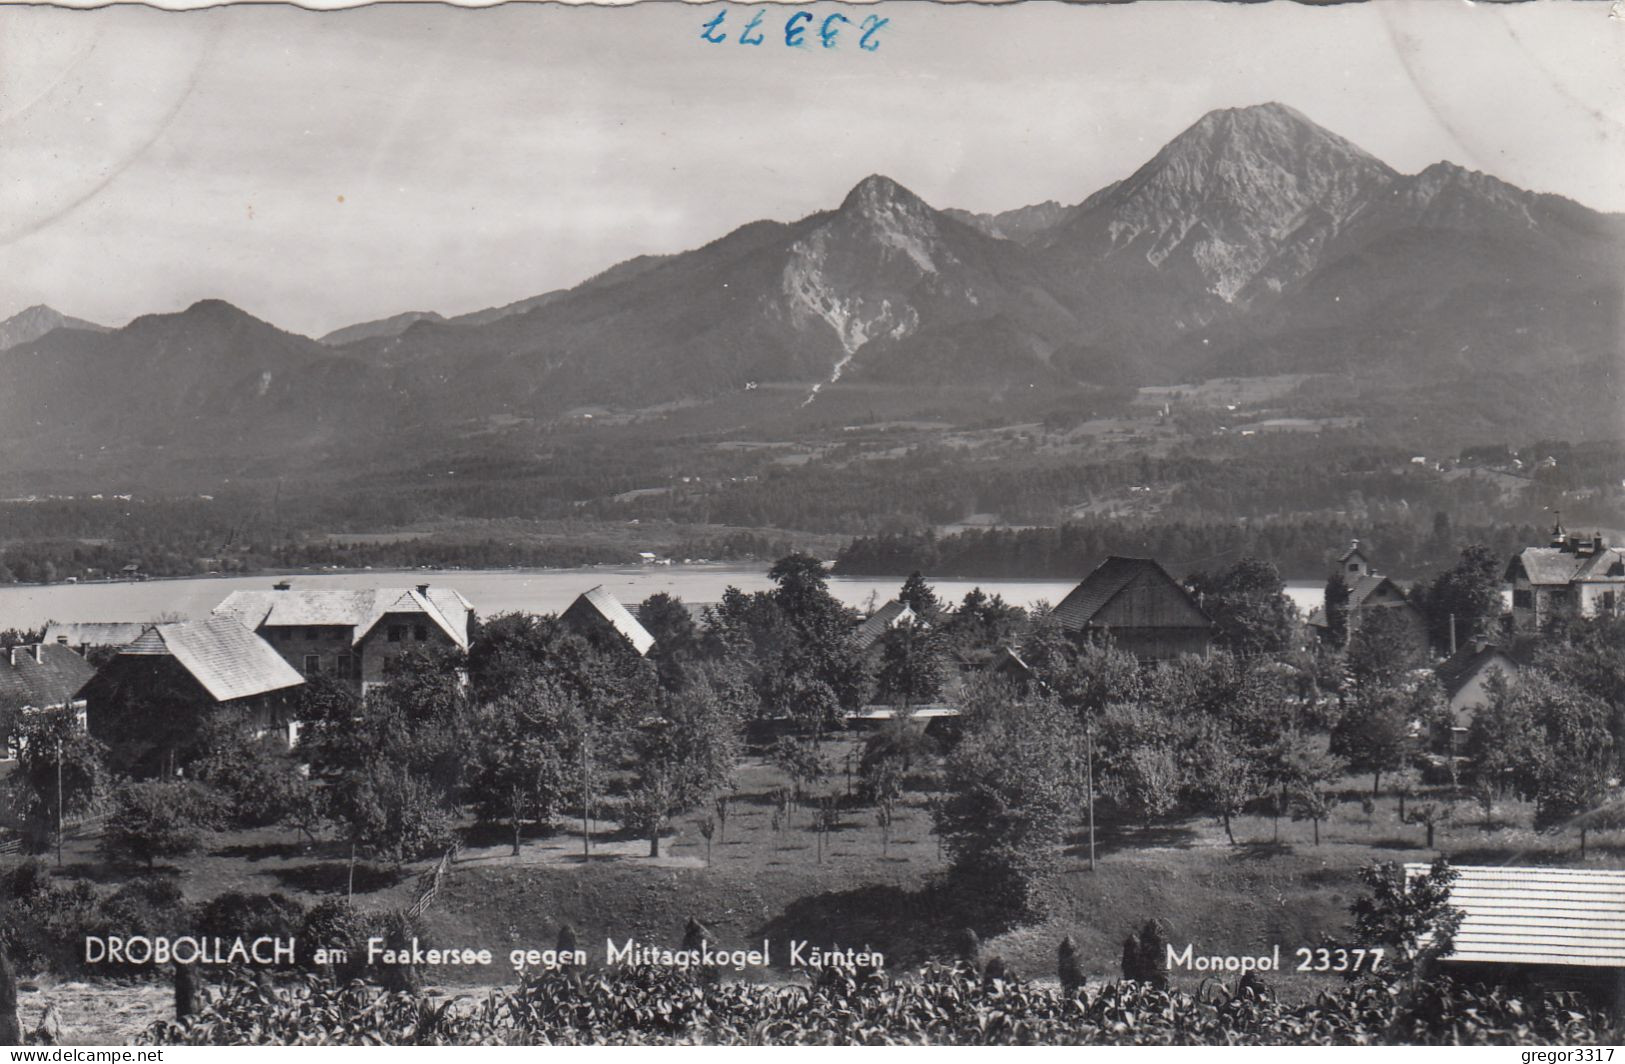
(1551, 927)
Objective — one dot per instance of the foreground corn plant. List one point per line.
(936, 1006)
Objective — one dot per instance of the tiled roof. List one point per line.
(359, 609)
(1559, 916)
(1457, 671)
(609, 608)
(868, 632)
(1110, 578)
(96, 633)
(227, 659)
(52, 680)
(1546, 565)
(1366, 586)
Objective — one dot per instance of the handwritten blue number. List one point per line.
(871, 26)
(793, 32)
(826, 33)
(755, 21)
(712, 25)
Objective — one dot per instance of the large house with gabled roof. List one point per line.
(1135, 604)
(150, 702)
(351, 634)
(34, 678)
(1574, 576)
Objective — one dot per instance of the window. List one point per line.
(1354, 567)
(346, 667)
(313, 664)
(1607, 603)
(397, 632)
(1523, 599)
(421, 633)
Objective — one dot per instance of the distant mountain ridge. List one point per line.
(1254, 242)
(34, 322)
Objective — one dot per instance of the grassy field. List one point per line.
(1273, 888)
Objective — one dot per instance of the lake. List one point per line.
(491, 591)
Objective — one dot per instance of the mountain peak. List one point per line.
(33, 322)
(876, 190)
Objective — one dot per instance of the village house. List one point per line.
(1370, 590)
(150, 703)
(1467, 677)
(1140, 608)
(600, 617)
(33, 678)
(1574, 576)
(351, 634)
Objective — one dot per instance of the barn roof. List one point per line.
(1557, 916)
(357, 608)
(609, 608)
(1110, 578)
(871, 628)
(96, 633)
(41, 675)
(227, 659)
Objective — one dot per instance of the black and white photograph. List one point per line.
(896, 523)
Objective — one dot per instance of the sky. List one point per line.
(320, 169)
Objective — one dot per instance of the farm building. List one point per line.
(599, 616)
(1139, 607)
(351, 634)
(1554, 927)
(151, 701)
(37, 677)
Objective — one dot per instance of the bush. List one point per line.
(236, 914)
(153, 820)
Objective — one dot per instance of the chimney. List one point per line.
(281, 585)
(12, 653)
(423, 589)
(39, 653)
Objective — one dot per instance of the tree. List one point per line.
(1011, 786)
(1250, 610)
(1430, 815)
(1336, 606)
(1374, 733)
(1312, 774)
(917, 595)
(153, 820)
(1411, 918)
(677, 637)
(57, 758)
(1382, 651)
(258, 785)
(395, 815)
(521, 765)
(1224, 781)
(1468, 595)
(911, 665)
